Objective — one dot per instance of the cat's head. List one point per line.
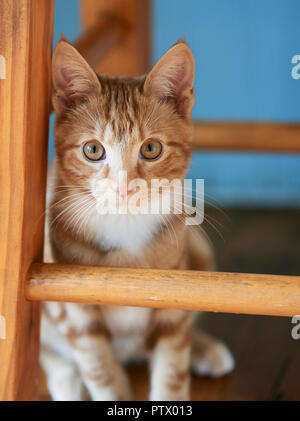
(105, 125)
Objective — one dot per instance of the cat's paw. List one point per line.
(215, 360)
(67, 385)
(112, 394)
(168, 395)
(118, 388)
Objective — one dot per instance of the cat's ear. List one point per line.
(172, 78)
(73, 79)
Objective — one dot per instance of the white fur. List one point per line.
(164, 360)
(53, 339)
(210, 357)
(63, 378)
(128, 326)
(123, 319)
(95, 357)
(129, 232)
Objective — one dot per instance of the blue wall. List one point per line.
(66, 22)
(243, 51)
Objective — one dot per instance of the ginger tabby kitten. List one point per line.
(104, 125)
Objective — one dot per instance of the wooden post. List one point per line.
(132, 56)
(25, 45)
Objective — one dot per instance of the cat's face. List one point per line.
(113, 132)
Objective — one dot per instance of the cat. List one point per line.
(104, 125)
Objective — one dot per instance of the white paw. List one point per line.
(67, 386)
(216, 361)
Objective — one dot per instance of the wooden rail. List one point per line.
(106, 34)
(189, 290)
(132, 56)
(245, 136)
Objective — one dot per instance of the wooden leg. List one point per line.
(132, 56)
(25, 45)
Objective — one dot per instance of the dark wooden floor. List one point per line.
(267, 358)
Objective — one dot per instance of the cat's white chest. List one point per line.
(128, 232)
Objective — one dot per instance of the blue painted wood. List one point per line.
(66, 22)
(243, 51)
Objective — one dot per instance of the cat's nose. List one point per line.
(123, 190)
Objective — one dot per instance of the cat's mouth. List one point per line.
(129, 203)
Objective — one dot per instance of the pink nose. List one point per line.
(123, 191)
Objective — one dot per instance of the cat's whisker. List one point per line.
(86, 218)
(80, 216)
(73, 204)
(65, 199)
(218, 209)
(83, 214)
(70, 190)
(204, 217)
(194, 230)
(69, 197)
(165, 221)
(71, 220)
(217, 206)
(207, 218)
(184, 205)
(215, 221)
(175, 236)
(72, 185)
(60, 189)
(215, 228)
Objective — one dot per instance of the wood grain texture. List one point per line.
(132, 56)
(99, 39)
(188, 290)
(243, 136)
(25, 43)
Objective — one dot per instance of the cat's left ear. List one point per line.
(172, 78)
(73, 78)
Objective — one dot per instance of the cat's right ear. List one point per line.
(73, 79)
(172, 78)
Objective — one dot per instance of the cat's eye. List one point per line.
(151, 149)
(93, 150)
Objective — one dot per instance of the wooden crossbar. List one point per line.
(189, 290)
(246, 136)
